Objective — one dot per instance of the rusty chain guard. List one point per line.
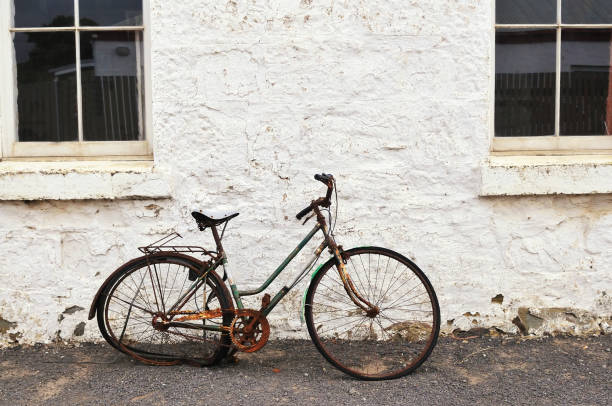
(208, 314)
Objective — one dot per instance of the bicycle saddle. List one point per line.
(213, 218)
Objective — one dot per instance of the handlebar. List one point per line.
(328, 179)
(303, 213)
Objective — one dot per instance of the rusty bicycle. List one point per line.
(370, 311)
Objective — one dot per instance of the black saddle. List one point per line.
(210, 218)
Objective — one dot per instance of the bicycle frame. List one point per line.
(221, 260)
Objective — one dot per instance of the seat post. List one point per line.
(215, 234)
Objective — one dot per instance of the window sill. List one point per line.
(546, 175)
(77, 180)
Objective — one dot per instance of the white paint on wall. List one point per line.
(250, 99)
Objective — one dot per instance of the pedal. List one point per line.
(265, 301)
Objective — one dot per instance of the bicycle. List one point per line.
(371, 312)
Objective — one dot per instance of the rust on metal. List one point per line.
(265, 300)
(249, 330)
(188, 315)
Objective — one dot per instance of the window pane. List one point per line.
(42, 13)
(110, 12)
(46, 86)
(586, 11)
(524, 83)
(586, 107)
(526, 11)
(111, 74)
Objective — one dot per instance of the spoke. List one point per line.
(410, 278)
(334, 299)
(146, 291)
(138, 307)
(408, 310)
(376, 279)
(410, 298)
(335, 296)
(337, 327)
(123, 317)
(377, 297)
(402, 295)
(138, 287)
(336, 310)
(153, 287)
(357, 273)
(391, 283)
(382, 329)
(124, 298)
(338, 318)
(367, 274)
(173, 280)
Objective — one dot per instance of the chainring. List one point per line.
(254, 339)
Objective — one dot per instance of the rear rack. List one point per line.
(161, 246)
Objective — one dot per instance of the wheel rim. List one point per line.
(136, 302)
(382, 344)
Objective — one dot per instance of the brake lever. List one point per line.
(308, 218)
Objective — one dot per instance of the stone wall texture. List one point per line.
(251, 98)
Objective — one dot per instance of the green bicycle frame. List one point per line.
(277, 298)
(237, 294)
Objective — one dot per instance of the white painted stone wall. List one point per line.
(251, 98)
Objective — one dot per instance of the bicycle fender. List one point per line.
(303, 307)
(111, 277)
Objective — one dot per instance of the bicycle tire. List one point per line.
(388, 345)
(126, 306)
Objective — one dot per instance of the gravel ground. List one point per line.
(484, 370)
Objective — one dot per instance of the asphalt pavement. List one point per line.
(481, 370)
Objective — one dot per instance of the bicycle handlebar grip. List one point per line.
(303, 212)
(324, 177)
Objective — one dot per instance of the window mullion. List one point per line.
(77, 42)
(558, 86)
(558, 74)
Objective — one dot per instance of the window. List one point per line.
(76, 77)
(553, 82)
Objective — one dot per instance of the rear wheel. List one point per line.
(133, 307)
(384, 344)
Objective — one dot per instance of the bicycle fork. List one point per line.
(360, 301)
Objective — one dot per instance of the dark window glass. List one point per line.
(110, 12)
(524, 82)
(586, 11)
(111, 75)
(46, 86)
(43, 13)
(586, 107)
(526, 11)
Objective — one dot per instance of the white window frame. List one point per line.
(11, 149)
(544, 145)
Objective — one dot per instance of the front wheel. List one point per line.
(384, 344)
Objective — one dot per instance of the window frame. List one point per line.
(544, 145)
(12, 149)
